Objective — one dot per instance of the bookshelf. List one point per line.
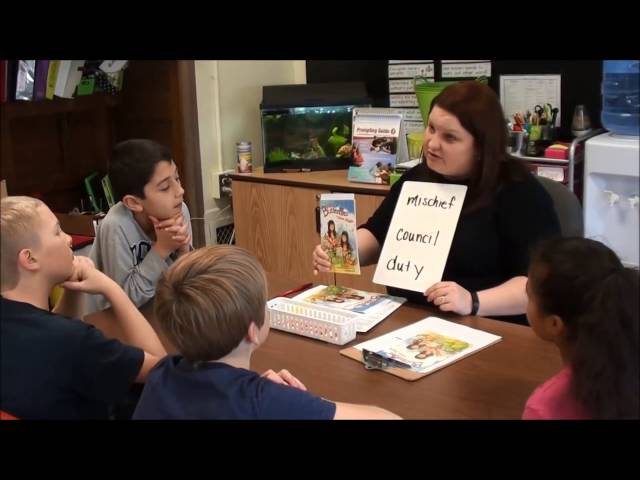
(20, 109)
(48, 147)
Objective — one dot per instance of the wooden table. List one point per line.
(491, 384)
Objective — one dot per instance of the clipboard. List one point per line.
(408, 375)
(453, 340)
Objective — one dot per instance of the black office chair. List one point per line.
(567, 207)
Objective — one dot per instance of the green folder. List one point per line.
(108, 191)
(91, 184)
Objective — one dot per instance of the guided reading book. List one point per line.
(372, 307)
(430, 344)
(375, 147)
(338, 231)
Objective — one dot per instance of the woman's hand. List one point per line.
(320, 259)
(449, 297)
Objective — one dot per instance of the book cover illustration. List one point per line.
(372, 307)
(375, 148)
(430, 344)
(338, 231)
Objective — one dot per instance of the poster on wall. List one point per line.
(402, 96)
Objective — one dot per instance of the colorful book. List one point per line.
(422, 347)
(375, 146)
(338, 231)
(371, 307)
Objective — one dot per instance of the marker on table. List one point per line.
(295, 290)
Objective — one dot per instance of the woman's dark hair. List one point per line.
(347, 242)
(330, 232)
(585, 284)
(478, 109)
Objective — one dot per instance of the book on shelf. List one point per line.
(94, 188)
(40, 84)
(25, 80)
(108, 191)
(69, 76)
(52, 78)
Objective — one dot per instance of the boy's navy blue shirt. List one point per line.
(175, 389)
(54, 367)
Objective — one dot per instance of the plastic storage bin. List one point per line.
(312, 321)
(620, 91)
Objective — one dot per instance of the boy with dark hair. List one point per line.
(149, 228)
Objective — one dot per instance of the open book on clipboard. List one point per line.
(421, 348)
(371, 308)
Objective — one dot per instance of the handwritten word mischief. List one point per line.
(421, 201)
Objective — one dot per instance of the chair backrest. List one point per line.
(567, 207)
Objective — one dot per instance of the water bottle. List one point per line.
(620, 90)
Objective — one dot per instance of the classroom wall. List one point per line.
(229, 93)
(580, 82)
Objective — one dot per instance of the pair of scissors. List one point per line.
(539, 110)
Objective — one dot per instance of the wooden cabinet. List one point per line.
(50, 146)
(275, 218)
(277, 223)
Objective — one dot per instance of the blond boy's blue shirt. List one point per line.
(53, 367)
(122, 250)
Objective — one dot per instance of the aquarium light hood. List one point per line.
(314, 95)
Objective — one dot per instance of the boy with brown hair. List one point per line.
(54, 366)
(211, 305)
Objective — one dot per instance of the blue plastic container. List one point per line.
(620, 96)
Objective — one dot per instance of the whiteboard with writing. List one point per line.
(419, 238)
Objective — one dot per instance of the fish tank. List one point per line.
(309, 127)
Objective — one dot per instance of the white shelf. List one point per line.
(554, 161)
(575, 157)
